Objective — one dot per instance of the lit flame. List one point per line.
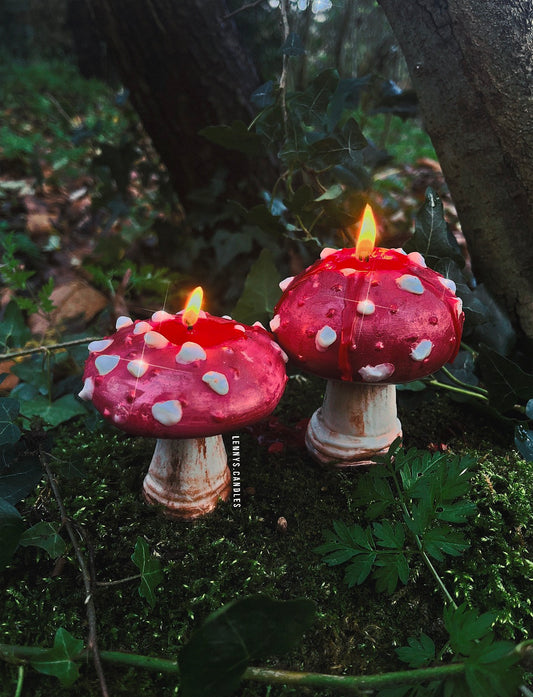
(367, 234)
(193, 307)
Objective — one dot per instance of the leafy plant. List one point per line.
(425, 493)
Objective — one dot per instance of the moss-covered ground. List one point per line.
(241, 551)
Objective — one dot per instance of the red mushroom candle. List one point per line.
(366, 319)
(185, 379)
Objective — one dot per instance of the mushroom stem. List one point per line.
(188, 476)
(356, 423)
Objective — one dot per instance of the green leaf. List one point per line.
(261, 291)
(53, 413)
(11, 528)
(228, 245)
(466, 627)
(333, 192)
(242, 631)
(60, 660)
(20, 472)
(389, 535)
(390, 568)
(359, 569)
(235, 137)
(293, 46)
(46, 536)
(9, 410)
(263, 96)
(419, 652)
(457, 512)
(440, 539)
(505, 381)
(13, 330)
(150, 568)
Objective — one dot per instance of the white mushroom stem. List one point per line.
(188, 476)
(356, 423)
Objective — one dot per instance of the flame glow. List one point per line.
(367, 234)
(193, 307)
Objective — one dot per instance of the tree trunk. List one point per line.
(471, 65)
(185, 69)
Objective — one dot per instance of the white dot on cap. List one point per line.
(161, 316)
(190, 352)
(366, 307)
(274, 323)
(155, 340)
(123, 321)
(326, 252)
(142, 328)
(448, 283)
(286, 283)
(417, 258)
(217, 382)
(325, 337)
(88, 389)
(167, 413)
(137, 368)
(96, 346)
(412, 284)
(421, 350)
(105, 364)
(375, 373)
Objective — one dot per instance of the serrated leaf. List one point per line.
(359, 569)
(389, 535)
(11, 528)
(46, 536)
(457, 512)
(261, 292)
(53, 413)
(235, 137)
(466, 627)
(9, 431)
(60, 660)
(242, 631)
(443, 540)
(419, 652)
(150, 568)
(388, 570)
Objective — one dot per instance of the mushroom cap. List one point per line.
(158, 378)
(385, 319)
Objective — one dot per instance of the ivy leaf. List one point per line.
(53, 413)
(11, 528)
(505, 381)
(443, 540)
(46, 536)
(235, 137)
(13, 330)
(9, 410)
(529, 409)
(60, 660)
(242, 631)
(150, 568)
(419, 652)
(333, 192)
(20, 472)
(523, 440)
(263, 96)
(261, 291)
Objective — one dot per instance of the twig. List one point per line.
(46, 349)
(284, 71)
(105, 584)
(248, 6)
(92, 641)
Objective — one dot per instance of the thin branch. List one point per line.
(92, 641)
(283, 6)
(47, 349)
(248, 6)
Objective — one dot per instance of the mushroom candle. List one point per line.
(185, 379)
(365, 318)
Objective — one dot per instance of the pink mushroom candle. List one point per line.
(365, 319)
(185, 379)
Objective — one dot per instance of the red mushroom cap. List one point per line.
(158, 378)
(385, 319)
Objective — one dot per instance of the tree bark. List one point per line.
(471, 63)
(185, 69)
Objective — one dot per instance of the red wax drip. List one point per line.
(206, 332)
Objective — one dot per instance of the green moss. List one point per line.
(236, 552)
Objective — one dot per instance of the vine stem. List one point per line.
(92, 640)
(47, 349)
(469, 393)
(265, 675)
